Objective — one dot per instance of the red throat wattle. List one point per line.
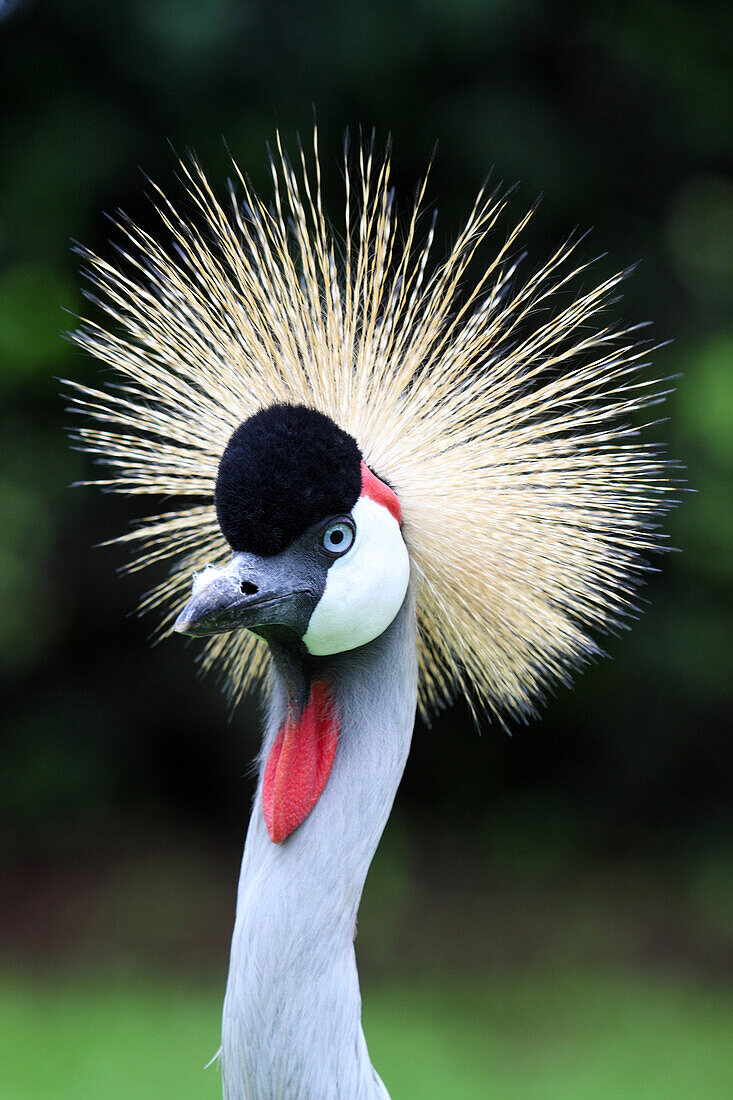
(299, 763)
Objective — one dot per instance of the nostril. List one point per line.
(248, 588)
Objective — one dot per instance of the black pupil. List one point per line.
(337, 536)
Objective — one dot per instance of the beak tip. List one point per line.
(195, 620)
(183, 624)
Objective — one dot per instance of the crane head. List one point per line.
(319, 560)
(510, 431)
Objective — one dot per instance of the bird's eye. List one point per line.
(338, 537)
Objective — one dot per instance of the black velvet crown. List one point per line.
(284, 469)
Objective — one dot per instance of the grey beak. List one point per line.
(251, 593)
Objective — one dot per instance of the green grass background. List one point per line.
(584, 1034)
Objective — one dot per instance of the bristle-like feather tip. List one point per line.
(527, 498)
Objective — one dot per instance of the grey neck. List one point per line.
(292, 1013)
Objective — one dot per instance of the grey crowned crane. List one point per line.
(399, 483)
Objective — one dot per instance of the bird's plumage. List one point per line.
(425, 479)
(499, 409)
(292, 1012)
(284, 469)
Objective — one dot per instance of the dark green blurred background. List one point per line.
(550, 913)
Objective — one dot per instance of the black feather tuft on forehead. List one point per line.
(284, 469)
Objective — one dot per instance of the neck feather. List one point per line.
(292, 1013)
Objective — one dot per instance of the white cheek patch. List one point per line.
(365, 588)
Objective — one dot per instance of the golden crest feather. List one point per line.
(501, 414)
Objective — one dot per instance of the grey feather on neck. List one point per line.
(292, 1012)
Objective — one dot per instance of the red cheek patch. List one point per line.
(299, 764)
(377, 491)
